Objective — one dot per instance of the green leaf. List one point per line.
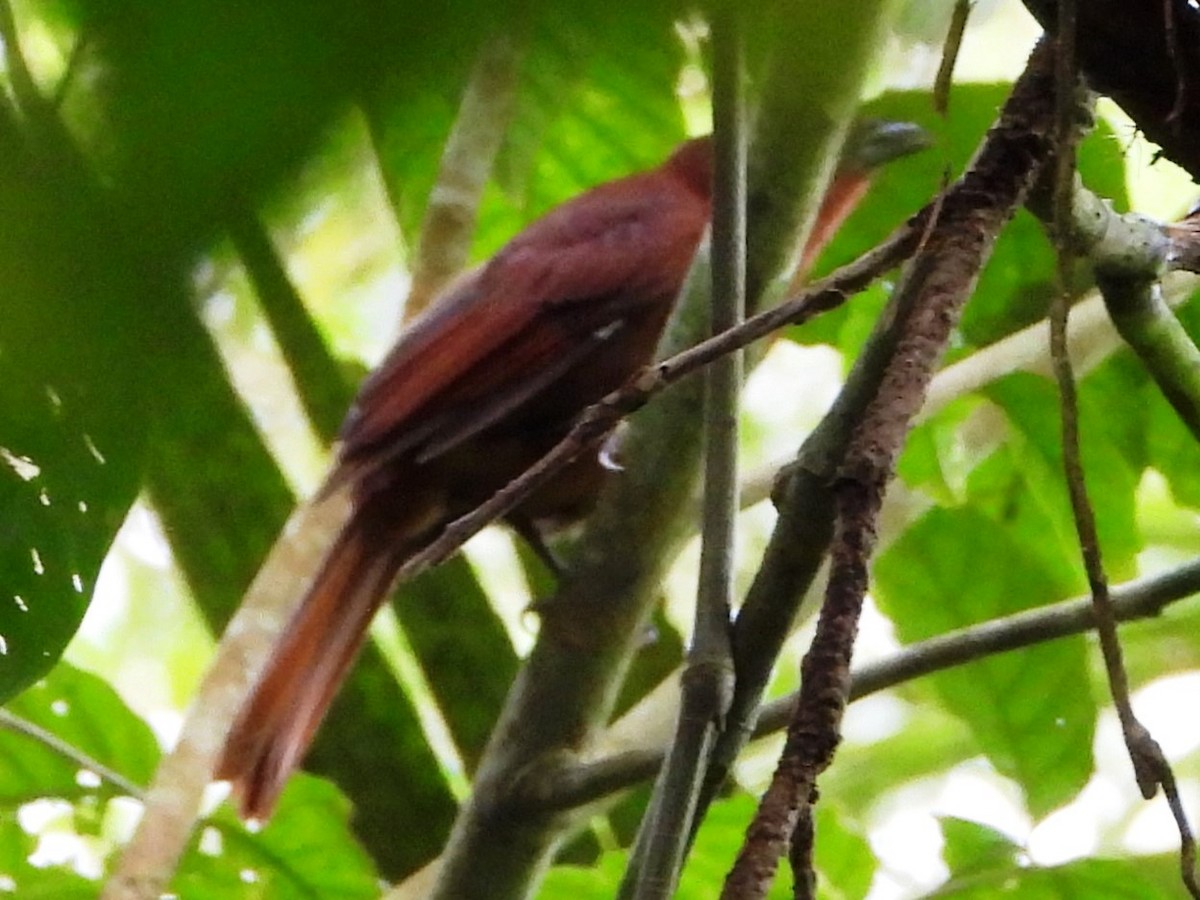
(1017, 285)
(21, 878)
(1031, 710)
(660, 654)
(373, 747)
(897, 191)
(204, 100)
(932, 458)
(597, 882)
(717, 844)
(710, 859)
(469, 669)
(65, 484)
(306, 851)
(931, 741)
(845, 862)
(73, 412)
(582, 115)
(1144, 878)
(1031, 405)
(972, 847)
(211, 478)
(84, 712)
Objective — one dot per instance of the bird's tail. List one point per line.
(277, 722)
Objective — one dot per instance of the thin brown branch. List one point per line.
(926, 305)
(1150, 765)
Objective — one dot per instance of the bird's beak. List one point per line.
(873, 142)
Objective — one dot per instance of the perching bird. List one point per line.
(474, 392)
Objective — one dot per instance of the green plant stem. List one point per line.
(707, 682)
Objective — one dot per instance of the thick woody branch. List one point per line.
(925, 309)
(1130, 254)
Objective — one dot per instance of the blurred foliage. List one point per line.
(956, 567)
(151, 132)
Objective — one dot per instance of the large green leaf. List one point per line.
(372, 746)
(306, 851)
(1031, 405)
(207, 100)
(985, 863)
(844, 861)
(972, 847)
(582, 114)
(84, 712)
(931, 741)
(73, 412)
(1031, 710)
(216, 487)
(1145, 878)
(463, 648)
(898, 190)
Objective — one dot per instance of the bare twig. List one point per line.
(950, 50)
(595, 423)
(1149, 763)
(574, 785)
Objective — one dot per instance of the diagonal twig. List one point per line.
(576, 784)
(20, 725)
(595, 423)
(950, 50)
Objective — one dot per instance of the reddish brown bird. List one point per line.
(477, 390)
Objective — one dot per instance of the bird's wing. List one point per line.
(510, 331)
